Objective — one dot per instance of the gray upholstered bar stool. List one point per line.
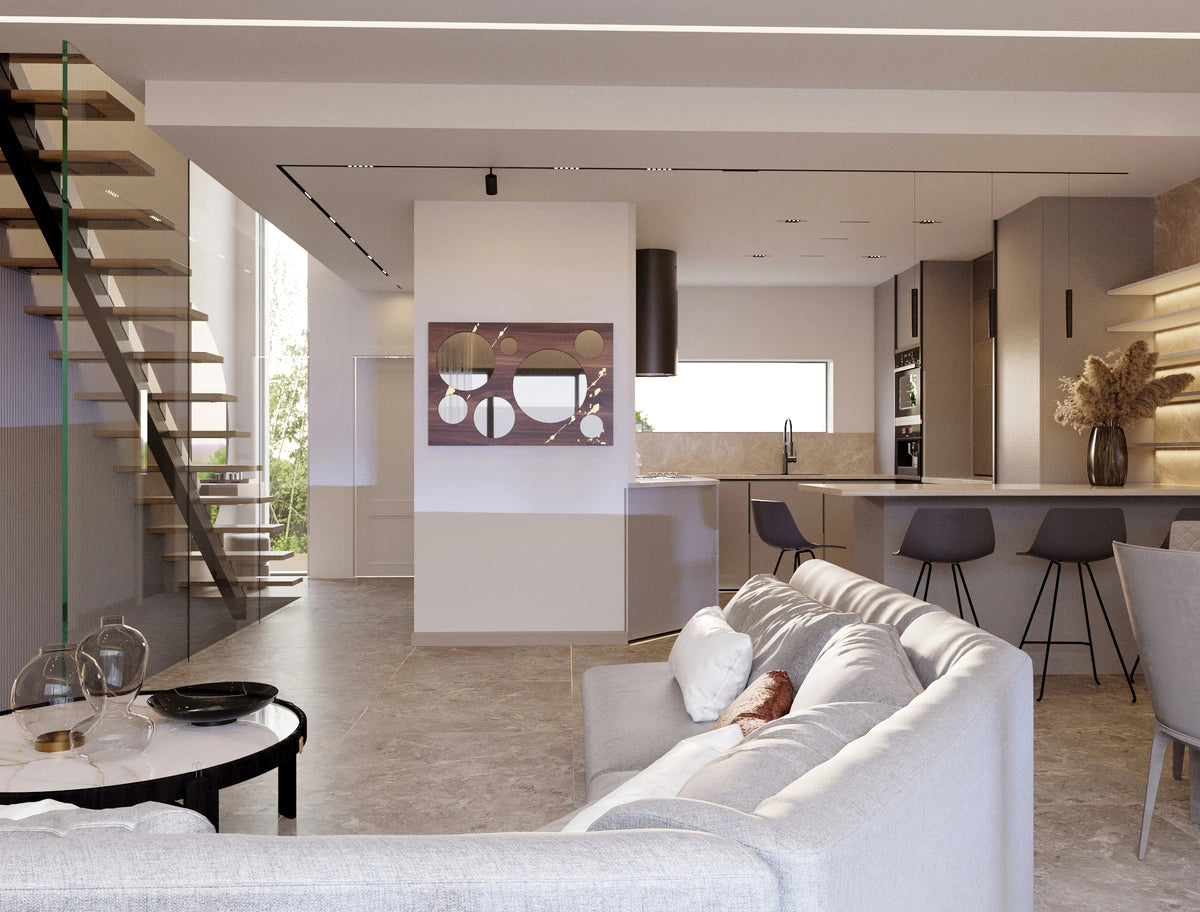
(774, 523)
(1080, 536)
(949, 535)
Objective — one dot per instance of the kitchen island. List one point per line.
(1004, 584)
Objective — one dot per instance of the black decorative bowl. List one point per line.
(212, 704)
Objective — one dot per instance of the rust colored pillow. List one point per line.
(767, 697)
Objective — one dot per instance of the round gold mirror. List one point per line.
(589, 343)
(465, 361)
(549, 385)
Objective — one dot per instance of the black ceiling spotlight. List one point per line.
(657, 304)
(489, 183)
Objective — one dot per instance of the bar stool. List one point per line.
(1080, 536)
(774, 523)
(949, 535)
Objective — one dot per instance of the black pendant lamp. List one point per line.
(657, 313)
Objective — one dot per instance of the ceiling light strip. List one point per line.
(333, 221)
(612, 27)
(701, 170)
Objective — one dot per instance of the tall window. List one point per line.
(736, 396)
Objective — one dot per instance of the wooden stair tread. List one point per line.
(46, 57)
(188, 434)
(167, 396)
(247, 582)
(219, 528)
(93, 163)
(95, 219)
(179, 556)
(148, 313)
(163, 356)
(113, 266)
(210, 500)
(202, 467)
(82, 104)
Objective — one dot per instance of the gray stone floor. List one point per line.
(472, 739)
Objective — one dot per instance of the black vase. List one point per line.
(1107, 457)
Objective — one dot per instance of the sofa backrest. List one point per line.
(845, 590)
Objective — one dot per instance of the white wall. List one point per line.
(342, 323)
(522, 543)
(837, 324)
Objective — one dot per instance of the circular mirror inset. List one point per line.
(549, 385)
(494, 417)
(592, 426)
(465, 361)
(508, 346)
(589, 343)
(452, 409)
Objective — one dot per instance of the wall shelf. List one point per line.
(1168, 445)
(1177, 359)
(1173, 320)
(1175, 280)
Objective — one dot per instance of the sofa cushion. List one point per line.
(632, 715)
(845, 590)
(711, 661)
(147, 817)
(664, 777)
(767, 697)
(780, 752)
(862, 663)
(764, 602)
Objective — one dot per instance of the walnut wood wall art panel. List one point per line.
(520, 384)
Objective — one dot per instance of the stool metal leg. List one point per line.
(926, 568)
(1087, 624)
(958, 567)
(1108, 623)
(778, 561)
(1050, 631)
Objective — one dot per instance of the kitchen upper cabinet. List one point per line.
(908, 308)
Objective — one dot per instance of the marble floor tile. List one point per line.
(407, 739)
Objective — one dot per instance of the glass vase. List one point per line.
(112, 666)
(47, 698)
(1107, 457)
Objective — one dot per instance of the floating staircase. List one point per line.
(128, 337)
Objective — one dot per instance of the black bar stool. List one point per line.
(774, 523)
(1080, 536)
(949, 535)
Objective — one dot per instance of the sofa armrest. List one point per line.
(497, 872)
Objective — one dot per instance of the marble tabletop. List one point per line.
(175, 748)
(969, 488)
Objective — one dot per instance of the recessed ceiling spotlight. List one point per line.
(360, 166)
(927, 221)
(792, 221)
(873, 256)
(758, 256)
(566, 167)
(660, 169)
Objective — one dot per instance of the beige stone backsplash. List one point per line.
(754, 453)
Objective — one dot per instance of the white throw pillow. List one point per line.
(664, 777)
(711, 661)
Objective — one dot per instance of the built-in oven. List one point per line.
(908, 383)
(908, 449)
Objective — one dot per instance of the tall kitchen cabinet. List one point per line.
(1111, 243)
(938, 321)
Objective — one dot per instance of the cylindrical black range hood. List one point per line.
(657, 313)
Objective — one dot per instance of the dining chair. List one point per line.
(1160, 587)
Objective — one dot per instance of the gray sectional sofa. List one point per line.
(901, 782)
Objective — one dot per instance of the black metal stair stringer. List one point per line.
(36, 181)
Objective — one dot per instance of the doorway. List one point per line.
(383, 466)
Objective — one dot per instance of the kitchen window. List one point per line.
(736, 396)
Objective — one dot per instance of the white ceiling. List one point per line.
(439, 104)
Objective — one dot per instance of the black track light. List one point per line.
(489, 183)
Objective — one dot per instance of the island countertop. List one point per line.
(966, 488)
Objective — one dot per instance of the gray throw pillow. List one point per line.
(861, 663)
(794, 645)
(147, 817)
(780, 752)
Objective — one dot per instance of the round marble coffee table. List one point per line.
(183, 762)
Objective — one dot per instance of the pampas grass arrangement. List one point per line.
(1113, 395)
